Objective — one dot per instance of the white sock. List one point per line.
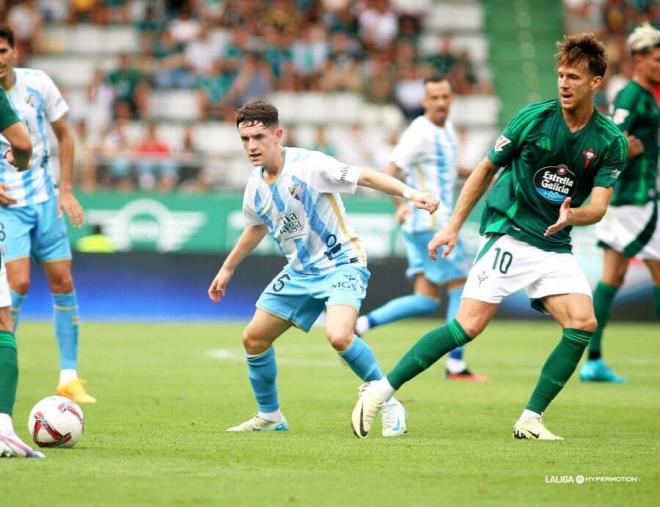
(6, 426)
(527, 414)
(271, 416)
(68, 375)
(362, 325)
(455, 365)
(385, 388)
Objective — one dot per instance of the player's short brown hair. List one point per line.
(258, 111)
(582, 49)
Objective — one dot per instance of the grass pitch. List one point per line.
(167, 393)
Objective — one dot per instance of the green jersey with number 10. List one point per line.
(544, 163)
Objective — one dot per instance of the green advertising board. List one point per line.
(211, 223)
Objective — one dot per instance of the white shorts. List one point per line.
(5, 296)
(505, 265)
(633, 231)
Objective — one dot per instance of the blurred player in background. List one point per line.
(16, 157)
(631, 227)
(31, 208)
(556, 155)
(293, 194)
(426, 155)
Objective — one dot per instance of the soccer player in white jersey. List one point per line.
(293, 195)
(426, 156)
(31, 208)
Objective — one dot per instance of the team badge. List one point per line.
(589, 155)
(482, 277)
(501, 143)
(297, 192)
(555, 183)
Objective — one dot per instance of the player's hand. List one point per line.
(447, 237)
(5, 200)
(402, 213)
(563, 220)
(635, 146)
(428, 202)
(68, 204)
(219, 284)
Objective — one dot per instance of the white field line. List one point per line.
(238, 356)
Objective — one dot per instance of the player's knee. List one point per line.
(472, 327)
(62, 284)
(20, 284)
(339, 339)
(588, 324)
(252, 343)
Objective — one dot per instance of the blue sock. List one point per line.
(16, 304)
(65, 308)
(400, 308)
(262, 371)
(453, 302)
(361, 359)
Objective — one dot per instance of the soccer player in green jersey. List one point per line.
(15, 158)
(631, 227)
(555, 155)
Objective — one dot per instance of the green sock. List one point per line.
(603, 297)
(558, 368)
(8, 372)
(656, 299)
(430, 347)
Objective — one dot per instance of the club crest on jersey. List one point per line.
(555, 183)
(31, 100)
(589, 155)
(297, 192)
(501, 143)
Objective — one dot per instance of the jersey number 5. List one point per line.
(279, 283)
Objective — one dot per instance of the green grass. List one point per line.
(156, 437)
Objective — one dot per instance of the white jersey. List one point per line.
(427, 155)
(304, 212)
(37, 102)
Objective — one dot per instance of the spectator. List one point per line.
(442, 62)
(342, 72)
(254, 81)
(25, 20)
(98, 105)
(169, 63)
(278, 51)
(310, 53)
(190, 161)
(201, 53)
(116, 156)
(130, 89)
(149, 26)
(378, 24)
(409, 91)
(322, 143)
(184, 28)
(156, 167)
(212, 91)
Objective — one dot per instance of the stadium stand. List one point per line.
(144, 60)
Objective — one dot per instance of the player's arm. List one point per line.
(402, 208)
(67, 202)
(390, 185)
(20, 151)
(248, 241)
(589, 214)
(475, 187)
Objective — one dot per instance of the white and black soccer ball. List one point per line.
(56, 421)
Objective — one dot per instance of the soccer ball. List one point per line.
(56, 421)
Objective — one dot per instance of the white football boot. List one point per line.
(258, 423)
(393, 416)
(533, 429)
(369, 403)
(13, 447)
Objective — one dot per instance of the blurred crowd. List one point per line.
(612, 21)
(369, 47)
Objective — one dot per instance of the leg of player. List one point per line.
(10, 444)
(575, 314)
(654, 268)
(66, 321)
(424, 301)
(18, 274)
(456, 367)
(258, 338)
(472, 318)
(358, 355)
(615, 266)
